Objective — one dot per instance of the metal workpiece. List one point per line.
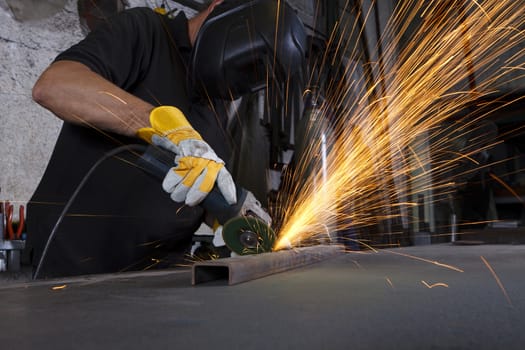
(249, 267)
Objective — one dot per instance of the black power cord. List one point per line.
(112, 153)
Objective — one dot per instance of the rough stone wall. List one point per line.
(28, 132)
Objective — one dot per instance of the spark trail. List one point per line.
(388, 126)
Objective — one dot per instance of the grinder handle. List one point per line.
(157, 162)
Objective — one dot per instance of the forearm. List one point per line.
(76, 94)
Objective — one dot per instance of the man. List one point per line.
(125, 82)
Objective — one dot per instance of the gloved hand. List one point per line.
(197, 167)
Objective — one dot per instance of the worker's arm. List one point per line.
(77, 94)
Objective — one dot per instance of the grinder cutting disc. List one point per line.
(248, 235)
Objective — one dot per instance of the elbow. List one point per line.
(48, 86)
(38, 92)
(41, 90)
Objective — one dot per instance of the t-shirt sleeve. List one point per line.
(119, 50)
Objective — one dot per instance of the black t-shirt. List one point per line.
(143, 53)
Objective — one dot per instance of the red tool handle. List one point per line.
(8, 220)
(11, 234)
(21, 222)
(3, 209)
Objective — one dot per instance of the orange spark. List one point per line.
(498, 281)
(437, 263)
(430, 286)
(507, 187)
(64, 286)
(113, 95)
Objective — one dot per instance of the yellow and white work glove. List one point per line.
(197, 167)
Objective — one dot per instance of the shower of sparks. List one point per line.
(387, 128)
(498, 281)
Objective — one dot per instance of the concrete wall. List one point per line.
(28, 132)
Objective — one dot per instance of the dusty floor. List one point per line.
(428, 297)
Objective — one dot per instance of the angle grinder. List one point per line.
(246, 225)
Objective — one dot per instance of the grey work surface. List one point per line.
(367, 300)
